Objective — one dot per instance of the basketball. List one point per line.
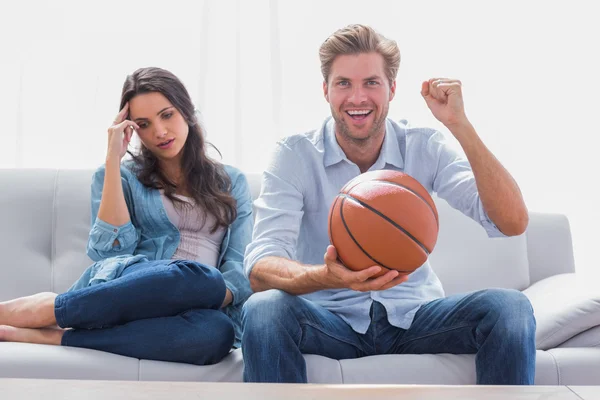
(384, 218)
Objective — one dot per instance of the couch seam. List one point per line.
(53, 239)
(341, 371)
(578, 396)
(557, 368)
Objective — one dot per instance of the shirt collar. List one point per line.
(390, 150)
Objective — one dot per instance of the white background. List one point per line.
(530, 71)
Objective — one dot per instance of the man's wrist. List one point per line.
(317, 277)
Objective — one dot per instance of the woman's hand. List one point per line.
(119, 135)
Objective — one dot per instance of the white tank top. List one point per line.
(196, 243)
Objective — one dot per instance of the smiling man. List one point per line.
(308, 303)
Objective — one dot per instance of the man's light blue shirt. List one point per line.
(301, 181)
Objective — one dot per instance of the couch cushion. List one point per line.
(428, 369)
(24, 360)
(230, 369)
(564, 306)
(442, 369)
(577, 366)
(26, 239)
(72, 215)
(589, 338)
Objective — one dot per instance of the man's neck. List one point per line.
(362, 153)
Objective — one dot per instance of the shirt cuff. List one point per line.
(108, 233)
(490, 228)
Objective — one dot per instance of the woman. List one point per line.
(169, 230)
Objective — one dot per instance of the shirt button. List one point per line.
(115, 230)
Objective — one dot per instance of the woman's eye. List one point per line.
(167, 115)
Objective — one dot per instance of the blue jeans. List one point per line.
(496, 324)
(159, 310)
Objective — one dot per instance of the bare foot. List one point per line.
(28, 335)
(35, 311)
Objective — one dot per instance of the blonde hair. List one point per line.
(356, 39)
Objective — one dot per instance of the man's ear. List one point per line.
(326, 91)
(392, 90)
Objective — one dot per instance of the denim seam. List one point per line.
(435, 333)
(557, 368)
(307, 322)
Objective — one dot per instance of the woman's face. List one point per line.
(163, 130)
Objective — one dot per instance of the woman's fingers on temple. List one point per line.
(122, 114)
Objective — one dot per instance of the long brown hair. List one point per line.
(205, 179)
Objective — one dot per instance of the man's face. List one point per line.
(359, 94)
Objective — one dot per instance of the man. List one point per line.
(307, 305)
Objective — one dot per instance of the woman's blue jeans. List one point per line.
(159, 310)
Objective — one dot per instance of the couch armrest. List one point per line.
(564, 305)
(549, 246)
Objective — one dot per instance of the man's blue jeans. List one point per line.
(159, 310)
(496, 324)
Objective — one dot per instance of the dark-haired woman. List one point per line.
(169, 230)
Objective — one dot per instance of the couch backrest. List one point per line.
(45, 218)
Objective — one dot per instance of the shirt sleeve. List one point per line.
(454, 182)
(106, 240)
(279, 209)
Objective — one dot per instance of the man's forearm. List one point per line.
(287, 275)
(499, 193)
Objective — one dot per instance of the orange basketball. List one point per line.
(384, 218)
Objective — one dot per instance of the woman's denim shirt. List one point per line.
(150, 235)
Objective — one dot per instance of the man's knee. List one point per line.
(511, 306)
(263, 308)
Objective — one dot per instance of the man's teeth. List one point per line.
(359, 112)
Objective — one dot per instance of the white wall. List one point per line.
(529, 70)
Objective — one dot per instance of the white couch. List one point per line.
(45, 216)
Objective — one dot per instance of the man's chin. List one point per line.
(358, 136)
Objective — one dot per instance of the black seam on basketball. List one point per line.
(412, 191)
(331, 218)
(352, 237)
(407, 233)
